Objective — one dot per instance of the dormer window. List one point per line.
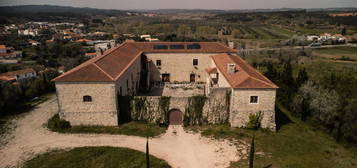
(87, 98)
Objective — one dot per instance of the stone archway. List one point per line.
(175, 117)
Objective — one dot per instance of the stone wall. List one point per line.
(102, 110)
(241, 108)
(222, 105)
(176, 90)
(128, 83)
(215, 109)
(180, 66)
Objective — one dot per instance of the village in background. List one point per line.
(311, 54)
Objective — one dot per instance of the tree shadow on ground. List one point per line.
(281, 118)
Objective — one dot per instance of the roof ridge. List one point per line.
(103, 71)
(127, 66)
(260, 74)
(260, 81)
(88, 62)
(218, 67)
(109, 52)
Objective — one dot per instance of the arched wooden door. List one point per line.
(175, 117)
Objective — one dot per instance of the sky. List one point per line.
(188, 4)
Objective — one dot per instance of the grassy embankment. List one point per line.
(337, 53)
(295, 144)
(132, 128)
(94, 157)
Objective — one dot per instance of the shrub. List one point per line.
(56, 124)
(254, 121)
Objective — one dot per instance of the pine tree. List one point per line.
(251, 153)
(147, 153)
(302, 77)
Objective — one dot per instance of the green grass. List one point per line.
(132, 128)
(94, 157)
(295, 145)
(337, 50)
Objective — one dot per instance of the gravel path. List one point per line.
(180, 149)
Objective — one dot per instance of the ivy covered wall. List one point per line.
(197, 110)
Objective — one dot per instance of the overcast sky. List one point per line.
(188, 4)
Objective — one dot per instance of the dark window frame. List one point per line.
(87, 98)
(254, 100)
(195, 62)
(158, 63)
(194, 46)
(160, 47)
(177, 47)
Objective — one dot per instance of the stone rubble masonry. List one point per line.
(241, 108)
(103, 108)
(214, 111)
(101, 111)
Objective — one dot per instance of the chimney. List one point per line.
(112, 43)
(231, 68)
(231, 44)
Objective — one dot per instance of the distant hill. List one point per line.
(26, 10)
(217, 11)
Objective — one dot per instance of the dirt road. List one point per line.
(180, 150)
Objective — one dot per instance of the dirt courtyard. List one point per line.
(180, 149)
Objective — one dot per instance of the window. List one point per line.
(193, 46)
(120, 91)
(195, 62)
(160, 47)
(254, 99)
(165, 77)
(87, 98)
(192, 78)
(158, 62)
(177, 47)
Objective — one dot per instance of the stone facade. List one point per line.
(128, 83)
(214, 111)
(241, 108)
(224, 102)
(179, 66)
(102, 110)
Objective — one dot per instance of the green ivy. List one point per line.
(139, 108)
(164, 106)
(194, 110)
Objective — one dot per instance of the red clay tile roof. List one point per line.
(18, 72)
(245, 77)
(91, 54)
(2, 47)
(211, 70)
(114, 62)
(6, 78)
(104, 68)
(206, 47)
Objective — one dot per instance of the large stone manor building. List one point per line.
(90, 94)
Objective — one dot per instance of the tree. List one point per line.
(237, 33)
(271, 72)
(147, 153)
(184, 30)
(344, 31)
(252, 152)
(302, 77)
(349, 127)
